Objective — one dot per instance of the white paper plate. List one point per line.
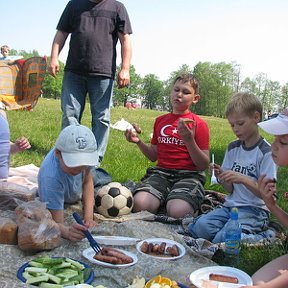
(168, 242)
(197, 276)
(89, 254)
(116, 240)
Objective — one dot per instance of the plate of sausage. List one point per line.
(224, 276)
(160, 248)
(111, 257)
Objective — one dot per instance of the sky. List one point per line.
(168, 34)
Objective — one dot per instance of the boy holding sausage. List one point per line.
(180, 144)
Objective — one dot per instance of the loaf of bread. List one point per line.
(8, 231)
(36, 229)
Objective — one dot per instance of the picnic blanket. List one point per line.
(11, 258)
(140, 225)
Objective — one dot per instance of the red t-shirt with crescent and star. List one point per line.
(172, 152)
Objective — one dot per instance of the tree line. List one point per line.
(218, 83)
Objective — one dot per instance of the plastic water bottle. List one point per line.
(232, 239)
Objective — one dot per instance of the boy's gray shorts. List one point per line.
(168, 184)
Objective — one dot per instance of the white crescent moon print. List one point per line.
(163, 129)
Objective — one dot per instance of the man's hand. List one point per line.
(54, 68)
(123, 78)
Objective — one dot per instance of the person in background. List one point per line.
(95, 27)
(5, 52)
(180, 144)
(275, 273)
(245, 160)
(6, 146)
(65, 178)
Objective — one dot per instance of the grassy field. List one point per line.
(124, 161)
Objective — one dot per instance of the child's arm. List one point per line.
(150, 151)
(267, 189)
(278, 282)
(74, 232)
(218, 171)
(229, 177)
(88, 200)
(19, 145)
(199, 157)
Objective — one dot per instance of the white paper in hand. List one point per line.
(122, 125)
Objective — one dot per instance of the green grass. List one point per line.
(124, 161)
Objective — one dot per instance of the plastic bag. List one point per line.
(12, 193)
(8, 231)
(36, 229)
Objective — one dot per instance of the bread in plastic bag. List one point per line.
(36, 229)
(8, 231)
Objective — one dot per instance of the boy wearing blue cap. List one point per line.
(65, 177)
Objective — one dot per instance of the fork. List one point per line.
(95, 246)
(213, 177)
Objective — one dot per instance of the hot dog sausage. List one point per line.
(144, 247)
(125, 259)
(223, 278)
(173, 251)
(156, 248)
(162, 248)
(137, 128)
(105, 258)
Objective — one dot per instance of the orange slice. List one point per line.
(165, 281)
(155, 279)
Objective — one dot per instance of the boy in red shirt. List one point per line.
(180, 144)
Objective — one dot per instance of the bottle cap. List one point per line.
(234, 213)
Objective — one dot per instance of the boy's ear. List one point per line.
(58, 153)
(196, 98)
(257, 116)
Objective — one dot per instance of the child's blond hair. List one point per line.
(244, 102)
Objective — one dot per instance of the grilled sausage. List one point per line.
(123, 258)
(144, 247)
(107, 259)
(173, 251)
(223, 278)
(156, 248)
(137, 128)
(162, 248)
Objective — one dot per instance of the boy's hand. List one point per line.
(231, 177)
(131, 136)
(184, 130)
(90, 223)
(217, 169)
(267, 188)
(74, 232)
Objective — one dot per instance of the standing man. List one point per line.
(95, 27)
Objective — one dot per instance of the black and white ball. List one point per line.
(113, 200)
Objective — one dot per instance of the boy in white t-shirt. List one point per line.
(245, 160)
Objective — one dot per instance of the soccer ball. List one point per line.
(113, 200)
